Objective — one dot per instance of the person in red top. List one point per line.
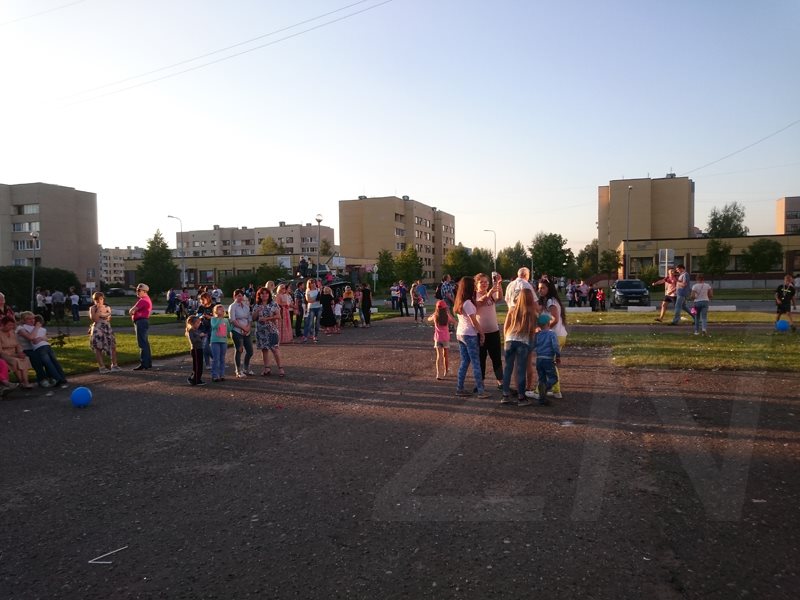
(140, 313)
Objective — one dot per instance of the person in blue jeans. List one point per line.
(140, 313)
(220, 328)
(682, 289)
(548, 355)
(313, 310)
(518, 333)
(469, 337)
(702, 295)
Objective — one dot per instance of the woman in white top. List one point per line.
(313, 309)
(551, 303)
(702, 293)
(469, 336)
(486, 298)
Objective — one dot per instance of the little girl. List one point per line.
(337, 312)
(441, 320)
(220, 327)
(196, 340)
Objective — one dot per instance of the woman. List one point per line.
(102, 339)
(206, 311)
(313, 308)
(702, 294)
(11, 352)
(5, 309)
(328, 319)
(285, 301)
(551, 303)
(267, 316)
(486, 297)
(366, 303)
(417, 303)
(469, 336)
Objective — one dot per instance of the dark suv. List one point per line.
(629, 291)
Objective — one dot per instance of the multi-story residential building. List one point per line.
(55, 224)
(369, 225)
(112, 263)
(296, 239)
(787, 215)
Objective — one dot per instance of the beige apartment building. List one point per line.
(63, 222)
(787, 215)
(369, 225)
(297, 239)
(112, 263)
(644, 209)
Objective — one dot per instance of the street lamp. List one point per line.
(35, 236)
(628, 237)
(319, 240)
(183, 252)
(492, 231)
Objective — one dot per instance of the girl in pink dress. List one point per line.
(285, 301)
(441, 319)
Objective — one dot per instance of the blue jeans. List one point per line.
(546, 370)
(218, 350)
(516, 352)
(141, 326)
(313, 314)
(470, 351)
(37, 365)
(680, 304)
(701, 318)
(51, 364)
(76, 315)
(242, 342)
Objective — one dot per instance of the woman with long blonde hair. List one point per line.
(518, 332)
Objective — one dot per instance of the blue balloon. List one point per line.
(81, 396)
(782, 325)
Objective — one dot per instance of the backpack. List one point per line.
(438, 293)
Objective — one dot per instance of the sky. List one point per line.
(506, 113)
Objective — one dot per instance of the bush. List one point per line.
(17, 283)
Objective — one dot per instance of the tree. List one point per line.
(408, 266)
(458, 263)
(481, 260)
(609, 263)
(270, 246)
(17, 283)
(509, 260)
(325, 248)
(157, 269)
(762, 256)
(549, 254)
(715, 262)
(386, 268)
(649, 274)
(728, 222)
(587, 260)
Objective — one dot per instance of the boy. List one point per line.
(784, 298)
(548, 355)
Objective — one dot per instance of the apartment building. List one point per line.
(369, 225)
(112, 263)
(787, 215)
(54, 224)
(296, 239)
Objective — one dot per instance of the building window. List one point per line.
(399, 232)
(27, 244)
(793, 214)
(20, 262)
(399, 218)
(226, 242)
(27, 209)
(400, 246)
(290, 240)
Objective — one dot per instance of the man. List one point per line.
(303, 267)
(299, 307)
(74, 301)
(140, 313)
(423, 293)
(670, 283)
(784, 298)
(216, 294)
(682, 290)
(239, 316)
(448, 291)
(515, 287)
(402, 297)
(394, 294)
(58, 305)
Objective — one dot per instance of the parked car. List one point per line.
(116, 292)
(629, 291)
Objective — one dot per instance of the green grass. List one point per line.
(725, 350)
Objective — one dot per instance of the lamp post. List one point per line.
(494, 256)
(319, 239)
(628, 236)
(183, 253)
(35, 236)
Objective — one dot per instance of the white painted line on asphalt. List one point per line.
(97, 561)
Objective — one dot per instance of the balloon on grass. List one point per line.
(81, 397)
(782, 325)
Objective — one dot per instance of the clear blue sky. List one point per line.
(508, 114)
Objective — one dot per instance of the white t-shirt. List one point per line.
(514, 288)
(700, 291)
(558, 328)
(464, 322)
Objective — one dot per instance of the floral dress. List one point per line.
(267, 332)
(101, 336)
(286, 331)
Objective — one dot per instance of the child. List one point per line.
(220, 327)
(548, 356)
(337, 312)
(441, 320)
(6, 386)
(37, 335)
(518, 333)
(196, 341)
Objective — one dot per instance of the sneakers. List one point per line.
(532, 394)
(115, 368)
(523, 402)
(241, 375)
(103, 371)
(508, 401)
(483, 395)
(463, 393)
(556, 395)
(45, 383)
(249, 373)
(542, 393)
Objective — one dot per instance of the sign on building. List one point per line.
(666, 258)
